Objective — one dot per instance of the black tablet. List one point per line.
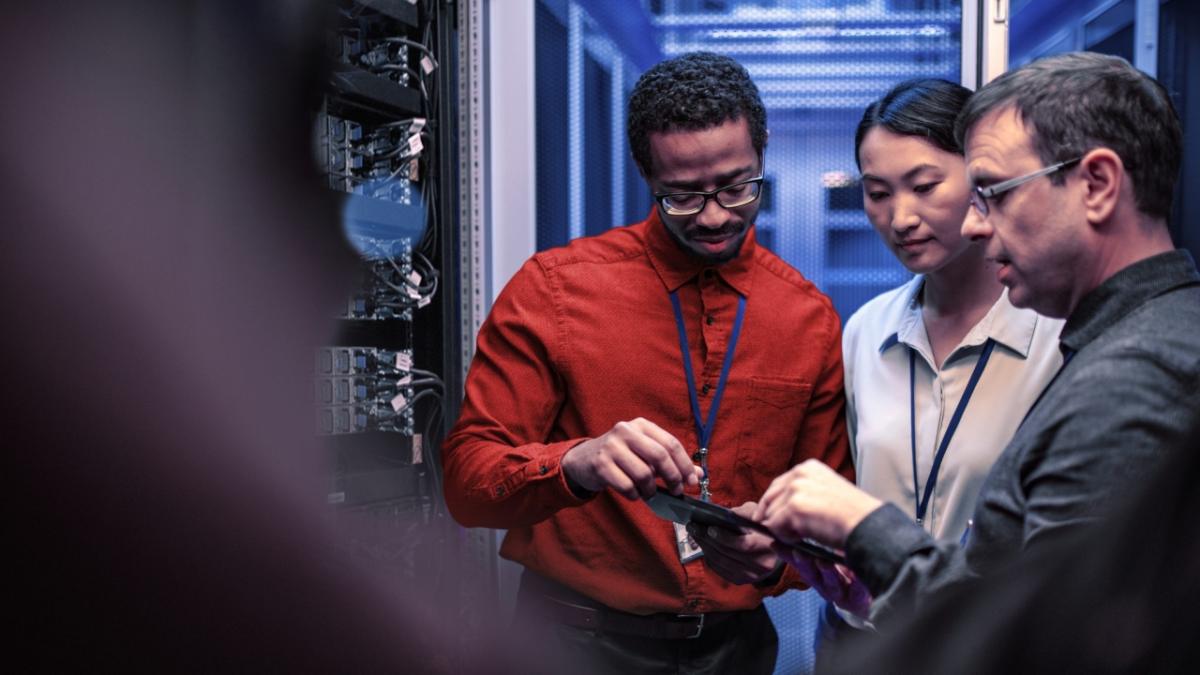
(684, 509)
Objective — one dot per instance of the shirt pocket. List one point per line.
(770, 425)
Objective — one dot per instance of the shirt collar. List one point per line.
(675, 267)
(1004, 323)
(1125, 291)
(904, 326)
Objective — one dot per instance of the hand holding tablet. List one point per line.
(684, 509)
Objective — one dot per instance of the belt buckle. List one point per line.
(699, 625)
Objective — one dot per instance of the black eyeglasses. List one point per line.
(730, 197)
(980, 195)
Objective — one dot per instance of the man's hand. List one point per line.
(628, 458)
(812, 501)
(836, 583)
(739, 558)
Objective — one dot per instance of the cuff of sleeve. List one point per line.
(854, 621)
(549, 467)
(878, 547)
(772, 580)
(782, 581)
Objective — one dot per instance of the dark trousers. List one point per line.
(730, 642)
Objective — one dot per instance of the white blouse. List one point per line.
(877, 341)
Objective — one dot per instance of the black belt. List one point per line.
(570, 608)
(605, 620)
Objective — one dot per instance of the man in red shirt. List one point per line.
(580, 398)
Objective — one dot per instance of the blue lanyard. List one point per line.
(923, 502)
(704, 428)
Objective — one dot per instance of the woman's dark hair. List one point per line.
(925, 107)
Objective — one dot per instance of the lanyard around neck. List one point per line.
(704, 428)
(931, 481)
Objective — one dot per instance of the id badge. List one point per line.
(688, 549)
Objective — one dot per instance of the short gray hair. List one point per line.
(1072, 103)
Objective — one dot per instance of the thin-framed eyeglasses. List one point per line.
(732, 196)
(980, 195)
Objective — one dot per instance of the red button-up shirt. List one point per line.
(584, 337)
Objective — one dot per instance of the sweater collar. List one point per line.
(1123, 292)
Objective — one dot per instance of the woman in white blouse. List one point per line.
(940, 371)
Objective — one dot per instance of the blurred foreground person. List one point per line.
(1072, 160)
(170, 267)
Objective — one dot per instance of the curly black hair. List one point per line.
(694, 91)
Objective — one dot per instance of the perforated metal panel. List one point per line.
(817, 65)
(552, 128)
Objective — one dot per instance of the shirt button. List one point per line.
(542, 470)
(705, 389)
(697, 457)
(709, 319)
(500, 491)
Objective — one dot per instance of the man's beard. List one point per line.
(731, 252)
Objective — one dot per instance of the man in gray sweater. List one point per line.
(1073, 159)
